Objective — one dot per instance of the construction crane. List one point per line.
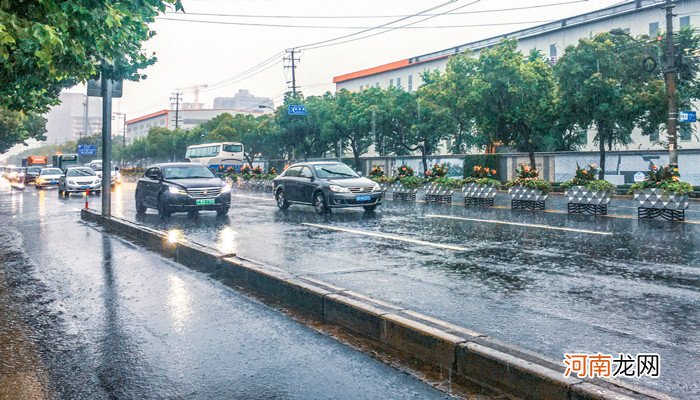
(195, 90)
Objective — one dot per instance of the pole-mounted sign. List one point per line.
(687, 116)
(297, 110)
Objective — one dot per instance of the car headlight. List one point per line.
(339, 189)
(376, 187)
(71, 182)
(225, 189)
(97, 182)
(173, 190)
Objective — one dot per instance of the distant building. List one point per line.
(66, 121)
(140, 126)
(636, 17)
(243, 101)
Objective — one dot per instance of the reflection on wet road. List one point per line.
(549, 282)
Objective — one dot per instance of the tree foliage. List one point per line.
(18, 127)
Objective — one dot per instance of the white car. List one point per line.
(79, 179)
(116, 176)
(48, 177)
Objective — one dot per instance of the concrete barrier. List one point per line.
(463, 357)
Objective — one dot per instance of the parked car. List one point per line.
(32, 173)
(79, 179)
(48, 177)
(181, 187)
(325, 185)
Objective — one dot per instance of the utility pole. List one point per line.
(177, 100)
(292, 60)
(670, 78)
(106, 143)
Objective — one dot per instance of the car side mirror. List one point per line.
(154, 177)
(360, 173)
(116, 168)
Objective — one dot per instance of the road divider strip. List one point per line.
(493, 221)
(388, 237)
(464, 359)
(240, 196)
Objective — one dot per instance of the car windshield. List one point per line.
(187, 172)
(50, 171)
(80, 172)
(334, 171)
(34, 169)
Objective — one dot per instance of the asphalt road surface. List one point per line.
(545, 281)
(84, 315)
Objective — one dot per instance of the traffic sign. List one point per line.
(687, 116)
(297, 110)
(87, 150)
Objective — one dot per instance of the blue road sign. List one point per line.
(687, 116)
(297, 110)
(87, 150)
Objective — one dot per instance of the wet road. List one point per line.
(89, 316)
(610, 285)
(549, 282)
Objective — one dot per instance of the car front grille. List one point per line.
(84, 182)
(360, 189)
(204, 192)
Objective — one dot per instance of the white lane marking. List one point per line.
(490, 221)
(252, 197)
(386, 236)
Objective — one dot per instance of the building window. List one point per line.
(654, 136)
(653, 29)
(410, 83)
(391, 83)
(685, 132)
(685, 21)
(398, 83)
(553, 50)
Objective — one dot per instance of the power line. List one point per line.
(355, 27)
(378, 16)
(325, 44)
(377, 27)
(247, 71)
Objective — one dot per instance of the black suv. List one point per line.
(326, 185)
(181, 187)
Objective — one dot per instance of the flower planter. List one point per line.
(524, 198)
(654, 203)
(584, 200)
(437, 194)
(479, 194)
(401, 193)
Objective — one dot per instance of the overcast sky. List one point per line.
(191, 53)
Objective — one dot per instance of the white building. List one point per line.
(67, 121)
(636, 17)
(140, 126)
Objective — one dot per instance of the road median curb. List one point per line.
(462, 356)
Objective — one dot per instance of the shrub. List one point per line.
(586, 177)
(376, 172)
(482, 181)
(483, 172)
(492, 161)
(411, 182)
(666, 178)
(530, 178)
(448, 182)
(437, 171)
(404, 171)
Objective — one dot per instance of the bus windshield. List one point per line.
(233, 148)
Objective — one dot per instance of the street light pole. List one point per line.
(670, 79)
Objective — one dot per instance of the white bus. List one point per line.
(217, 156)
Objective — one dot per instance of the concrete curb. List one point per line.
(462, 356)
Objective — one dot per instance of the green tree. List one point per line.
(18, 127)
(302, 135)
(49, 45)
(599, 82)
(516, 98)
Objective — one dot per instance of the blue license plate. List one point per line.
(84, 187)
(363, 198)
(53, 182)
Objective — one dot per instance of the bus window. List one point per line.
(233, 148)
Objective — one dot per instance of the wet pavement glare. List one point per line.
(609, 285)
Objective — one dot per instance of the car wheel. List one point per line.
(222, 211)
(163, 209)
(282, 202)
(140, 208)
(371, 208)
(320, 203)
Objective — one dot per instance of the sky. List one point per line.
(193, 53)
